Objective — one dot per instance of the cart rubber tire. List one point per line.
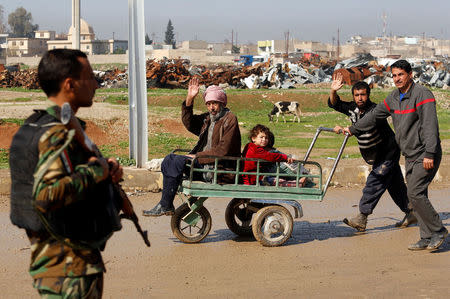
(187, 233)
(272, 225)
(237, 208)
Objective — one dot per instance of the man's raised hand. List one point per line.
(192, 91)
(338, 82)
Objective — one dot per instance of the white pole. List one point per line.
(137, 86)
(76, 24)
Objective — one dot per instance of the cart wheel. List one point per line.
(238, 216)
(190, 233)
(272, 226)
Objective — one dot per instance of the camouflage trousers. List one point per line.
(89, 287)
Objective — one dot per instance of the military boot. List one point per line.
(359, 222)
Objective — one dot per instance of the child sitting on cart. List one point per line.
(261, 147)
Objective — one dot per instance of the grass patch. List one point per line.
(109, 66)
(17, 121)
(161, 144)
(4, 158)
(117, 99)
(21, 89)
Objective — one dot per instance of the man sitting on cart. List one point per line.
(218, 133)
(379, 149)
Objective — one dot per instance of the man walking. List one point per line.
(413, 110)
(378, 148)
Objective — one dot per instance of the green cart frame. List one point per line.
(254, 209)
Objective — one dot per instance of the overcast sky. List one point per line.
(252, 20)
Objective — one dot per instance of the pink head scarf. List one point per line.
(215, 93)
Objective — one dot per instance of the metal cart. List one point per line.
(254, 209)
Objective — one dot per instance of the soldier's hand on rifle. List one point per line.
(338, 130)
(193, 90)
(115, 170)
(337, 82)
(103, 163)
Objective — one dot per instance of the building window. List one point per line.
(13, 43)
(41, 34)
(65, 47)
(54, 47)
(87, 47)
(84, 37)
(21, 43)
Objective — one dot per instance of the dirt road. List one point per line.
(323, 259)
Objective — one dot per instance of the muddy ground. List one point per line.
(323, 259)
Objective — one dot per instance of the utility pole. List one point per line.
(384, 17)
(286, 46)
(333, 50)
(338, 44)
(232, 40)
(137, 87)
(76, 24)
(423, 43)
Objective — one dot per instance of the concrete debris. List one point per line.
(176, 73)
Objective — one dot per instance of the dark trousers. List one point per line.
(172, 167)
(418, 179)
(385, 175)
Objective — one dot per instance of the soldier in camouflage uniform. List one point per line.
(59, 268)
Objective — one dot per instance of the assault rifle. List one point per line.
(71, 122)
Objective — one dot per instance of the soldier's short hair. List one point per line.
(57, 65)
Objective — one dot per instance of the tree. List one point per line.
(2, 21)
(170, 37)
(20, 23)
(148, 41)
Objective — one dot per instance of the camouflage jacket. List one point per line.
(63, 183)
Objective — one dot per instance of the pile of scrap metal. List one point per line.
(176, 73)
(286, 75)
(12, 77)
(376, 72)
(112, 78)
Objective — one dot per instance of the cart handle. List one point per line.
(336, 161)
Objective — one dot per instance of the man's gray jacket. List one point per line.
(414, 118)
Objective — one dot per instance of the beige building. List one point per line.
(45, 34)
(24, 46)
(88, 43)
(268, 47)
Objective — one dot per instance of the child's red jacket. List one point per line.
(253, 151)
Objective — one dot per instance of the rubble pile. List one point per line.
(112, 78)
(176, 73)
(21, 78)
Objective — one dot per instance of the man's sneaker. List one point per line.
(408, 220)
(158, 210)
(359, 222)
(420, 245)
(437, 239)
